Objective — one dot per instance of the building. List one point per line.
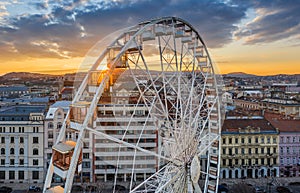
(13, 91)
(21, 145)
(53, 122)
(249, 148)
(248, 104)
(289, 144)
(114, 115)
(289, 108)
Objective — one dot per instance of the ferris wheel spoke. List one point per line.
(162, 181)
(126, 144)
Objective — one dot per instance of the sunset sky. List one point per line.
(52, 36)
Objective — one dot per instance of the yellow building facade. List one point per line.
(249, 148)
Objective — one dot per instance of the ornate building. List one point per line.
(21, 144)
(249, 148)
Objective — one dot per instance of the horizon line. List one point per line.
(63, 72)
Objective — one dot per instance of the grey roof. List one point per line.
(13, 88)
(61, 104)
(23, 110)
(40, 100)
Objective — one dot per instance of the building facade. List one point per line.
(249, 148)
(21, 145)
(289, 145)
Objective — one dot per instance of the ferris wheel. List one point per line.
(147, 112)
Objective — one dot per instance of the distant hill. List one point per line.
(28, 78)
(239, 75)
(22, 75)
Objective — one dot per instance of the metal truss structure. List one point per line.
(174, 84)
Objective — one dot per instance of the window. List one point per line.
(2, 161)
(21, 175)
(243, 151)
(224, 151)
(21, 151)
(230, 140)
(287, 150)
(35, 175)
(2, 139)
(12, 151)
(274, 149)
(12, 162)
(12, 140)
(50, 135)
(236, 140)
(35, 129)
(21, 162)
(11, 129)
(35, 151)
(50, 125)
(294, 139)
(21, 139)
(281, 161)
(250, 152)
(35, 162)
(86, 165)
(281, 150)
(59, 125)
(256, 150)
(2, 175)
(2, 151)
(262, 139)
(85, 155)
(224, 140)
(262, 161)
(281, 139)
(268, 140)
(262, 150)
(243, 140)
(224, 162)
(256, 139)
(274, 139)
(249, 140)
(35, 140)
(288, 139)
(236, 150)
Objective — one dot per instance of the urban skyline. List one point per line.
(53, 37)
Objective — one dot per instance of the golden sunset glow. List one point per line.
(241, 37)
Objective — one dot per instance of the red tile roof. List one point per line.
(282, 123)
(233, 125)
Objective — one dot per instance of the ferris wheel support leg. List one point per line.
(48, 177)
(74, 161)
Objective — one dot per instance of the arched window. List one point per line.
(59, 124)
(35, 151)
(21, 151)
(2, 151)
(50, 125)
(12, 151)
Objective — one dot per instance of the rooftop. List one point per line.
(257, 125)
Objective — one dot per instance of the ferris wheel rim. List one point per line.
(142, 29)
